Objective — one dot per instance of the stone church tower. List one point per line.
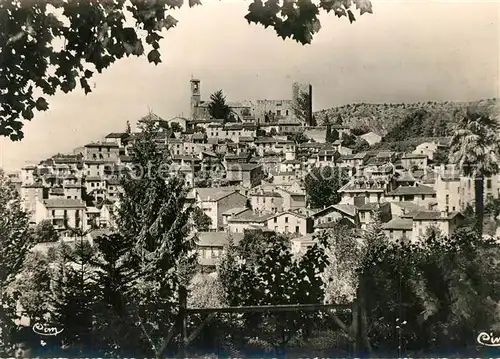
(195, 97)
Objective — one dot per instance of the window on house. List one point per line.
(92, 185)
(275, 219)
(276, 228)
(53, 213)
(68, 197)
(278, 112)
(447, 198)
(286, 219)
(488, 184)
(286, 229)
(100, 149)
(447, 185)
(423, 196)
(362, 215)
(297, 229)
(286, 112)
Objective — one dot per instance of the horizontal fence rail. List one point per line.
(269, 308)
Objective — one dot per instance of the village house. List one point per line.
(290, 126)
(108, 151)
(293, 197)
(290, 223)
(63, 213)
(30, 194)
(118, 138)
(449, 191)
(332, 215)
(428, 149)
(421, 195)
(211, 245)
(414, 160)
(72, 187)
(302, 244)
(366, 217)
(370, 186)
(266, 201)
(230, 213)
(399, 229)
(247, 175)
(28, 174)
(285, 178)
(246, 220)
(446, 222)
(216, 201)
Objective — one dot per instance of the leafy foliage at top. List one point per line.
(439, 292)
(95, 36)
(265, 272)
(322, 184)
(400, 121)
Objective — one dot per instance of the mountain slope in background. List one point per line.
(397, 122)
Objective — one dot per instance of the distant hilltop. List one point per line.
(431, 118)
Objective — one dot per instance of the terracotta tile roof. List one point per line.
(249, 216)
(217, 239)
(434, 215)
(399, 224)
(344, 208)
(117, 135)
(412, 190)
(101, 144)
(234, 211)
(215, 194)
(414, 156)
(266, 194)
(64, 203)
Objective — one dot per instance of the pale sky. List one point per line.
(407, 51)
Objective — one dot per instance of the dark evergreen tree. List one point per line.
(154, 221)
(218, 107)
(201, 221)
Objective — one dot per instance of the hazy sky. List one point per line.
(406, 51)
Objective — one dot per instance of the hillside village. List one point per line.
(249, 173)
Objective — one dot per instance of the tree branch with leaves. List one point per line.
(96, 35)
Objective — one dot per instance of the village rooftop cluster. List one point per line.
(249, 174)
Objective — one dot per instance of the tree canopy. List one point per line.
(218, 107)
(95, 35)
(322, 184)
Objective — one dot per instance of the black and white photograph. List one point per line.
(242, 179)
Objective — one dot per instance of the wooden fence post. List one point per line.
(182, 320)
